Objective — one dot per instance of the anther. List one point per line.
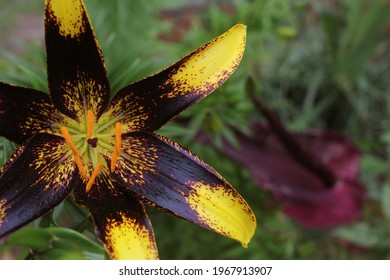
(118, 137)
(90, 121)
(113, 161)
(117, 148)
(94, 174)
(77, 159)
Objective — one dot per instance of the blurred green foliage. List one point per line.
(318, 64)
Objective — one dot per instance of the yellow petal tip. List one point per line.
(240, 26)
(68, 16)
(128, 240)
(247, 235)
(209, 66)
(224, 211)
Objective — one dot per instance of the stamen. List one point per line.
(77, 159)
(90, 121)
(118, 137)
(117, 147)
(94, 174)
(113, 161)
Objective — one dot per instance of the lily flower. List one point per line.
(315, 174)
(305, 197)
(74, 138)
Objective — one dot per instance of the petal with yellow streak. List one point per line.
(120, 219)
(24, 112)
(37, 177)
(77, 75)
(173, 179)
(151, 102)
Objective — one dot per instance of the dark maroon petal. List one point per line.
(173, 179)
(24, 112)
(76, 72)
(35, 179)
(337, 152)
(120, 219)
(271, 164)
(328, 208)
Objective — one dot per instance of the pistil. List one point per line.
(90, 151)
(90, 121)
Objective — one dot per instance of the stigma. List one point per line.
(87, 147)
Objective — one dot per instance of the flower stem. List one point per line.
(296, 150)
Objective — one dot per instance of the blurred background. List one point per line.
(317, 65)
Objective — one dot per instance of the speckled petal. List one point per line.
(171, 178)
(35, 179)
(24, 112)
(120, 219)
(149, 103)
(76, 71)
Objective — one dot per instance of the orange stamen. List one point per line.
(90, 121)
(77, 159)
(118, 137)
(117, 147)
(113, 160)
(94, 174)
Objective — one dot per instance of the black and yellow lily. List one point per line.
(107, 152)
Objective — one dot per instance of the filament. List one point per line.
(94, 174)
(77, 159)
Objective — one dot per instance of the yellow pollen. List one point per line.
(77, 159)
(117, 147)
(94, 174)
(90, 121)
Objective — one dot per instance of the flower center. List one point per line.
(88, 141)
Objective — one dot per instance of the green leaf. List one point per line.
(332, 25)
(61, 254)
(57, 243)
(74, 211)
(361, 234)
(366, 31)
(306, 118)
(34, 238)
(287, 32)
(27, 72)
(307, 249)
(6, 149)
(67, 238)
(375, 165)
(229, 135)
(385, 201)
(212, 123)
